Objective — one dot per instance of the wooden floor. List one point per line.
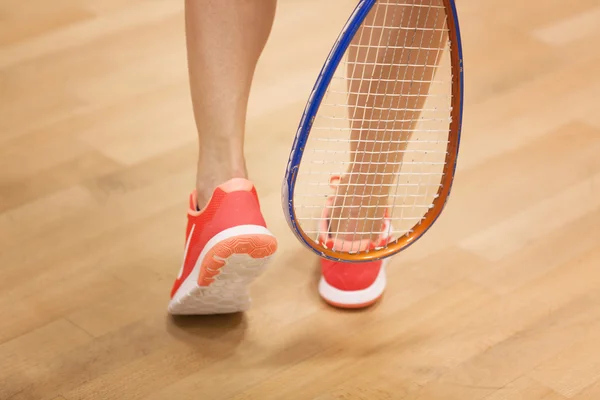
(501, 300)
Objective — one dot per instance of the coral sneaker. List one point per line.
(352, 285)
(227, 246)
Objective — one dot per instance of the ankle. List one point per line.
(218, 162)
(352, 220)
(207, 182)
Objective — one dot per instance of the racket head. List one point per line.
(291, 202)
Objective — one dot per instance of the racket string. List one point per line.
(403, 95)
(382, 126)
(357, 106)
(353, 117)
(422, 77)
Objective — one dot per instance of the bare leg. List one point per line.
(381, 125)
(224, 40)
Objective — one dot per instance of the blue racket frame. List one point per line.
(319, 89)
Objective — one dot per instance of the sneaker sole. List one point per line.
(220, 279)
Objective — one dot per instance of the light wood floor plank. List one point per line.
(499, 301)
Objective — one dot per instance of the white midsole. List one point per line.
(355, 297)
(192, 279)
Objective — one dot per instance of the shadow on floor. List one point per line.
(208, 333)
